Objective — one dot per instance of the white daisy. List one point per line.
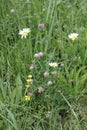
(24, 32)
(73, 36)
(53, 64)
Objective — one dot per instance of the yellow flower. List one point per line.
(29, 80)
(73, 36)
(27, 98)
(54, 64)
(29, 76)
(27, 86)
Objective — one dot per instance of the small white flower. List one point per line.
(31, 66)
(24, 32)
(49, 83)
(53, 64)
(73, 36)
(36, 55)
(12, 11)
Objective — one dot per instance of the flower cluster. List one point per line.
(29, 82)
(38, 55)
(24, 33)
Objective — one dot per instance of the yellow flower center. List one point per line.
(25, 33)
(74, 37)
(54, 65)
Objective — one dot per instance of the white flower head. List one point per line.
(24, 32)
(49, 83)
(40, 54)
(12, 11)
(73, 36)
(53, 64)
(31, 66)
(36, 55)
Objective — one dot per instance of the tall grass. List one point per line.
(62, 104)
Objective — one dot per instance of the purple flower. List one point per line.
(40, 90)
(46, 74)
(41, 25)
(38, 55)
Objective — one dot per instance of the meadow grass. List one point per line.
(56, 96)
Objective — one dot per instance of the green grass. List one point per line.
(65, 100)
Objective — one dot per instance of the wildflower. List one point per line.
(12, 11)
(24, 32)
(31, 66)
(29, 76)
(53, 64)
(30, 81)
(27, 98)
(49, 83)
(41, 25)
(73, 36)
(46, 74)
(27, 86)
(38, 55)
(40, 90)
